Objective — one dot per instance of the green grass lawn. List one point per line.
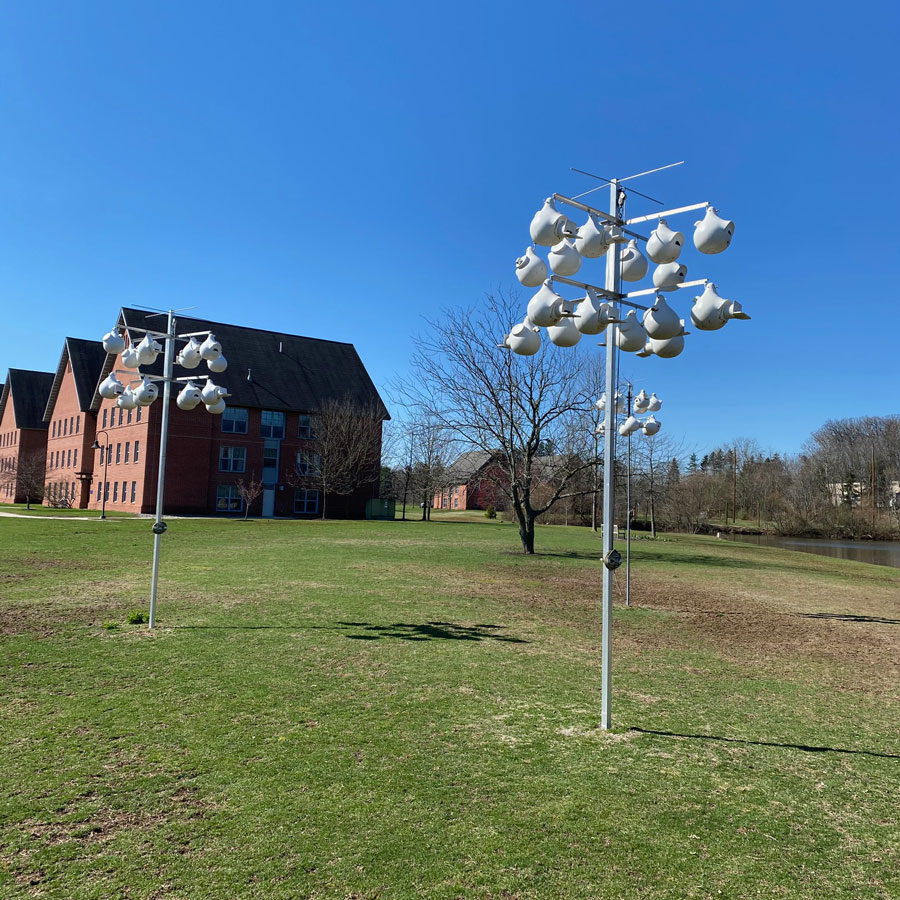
(405, 709)
(38, 510)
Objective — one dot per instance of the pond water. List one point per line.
(881, 553)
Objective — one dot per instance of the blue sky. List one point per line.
(340, 170)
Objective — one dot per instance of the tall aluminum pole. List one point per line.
(628, 514)
(159, 526)
(609, 480)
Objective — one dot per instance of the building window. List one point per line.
(124, 491)
(133, 490)
(69, 459)
(306, 501)
(234, 420)
(65, 423)
(53, 430)
(307, 463)
(104, 418)
(127, 450)
(102, 451)
(71, 424)
(271, 424)
(270, 464)
(118, 453)
(232, 459)
(77, 424)
(128, 417)
(138, 416)
(106, 491)
(75, 458)
(115, 492)
(121, 414)
(137, 450)
(304, 427)
(228, 499)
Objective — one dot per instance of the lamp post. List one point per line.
(145, 353)
(96, 446)
(659, 333)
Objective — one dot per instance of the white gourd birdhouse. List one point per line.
(629, 426)
(664, 245)
(549, 226)
(216, 408)
(131, 359)
(600, 429)
(212, 393)
(651, 426)
(146, 392)
(592, 240)
(217, 365)
(634, 263)
(531, 270)
(710, 311)
(524, 339)
(601, 403)
(126, 400)
(645, 351)
(564, 334)
(592, 315)
(713, 234)
(189, 356)
(669, 348)
(641, 401)
(189, 396)
(621, 403)
(630, 335)
(564, 258)
(668, 276)
(655, 404)
(210, 348)
(113, 342)
(148, 349)
(661, 321)
(110, 387)
(545, 308)
(616, 234)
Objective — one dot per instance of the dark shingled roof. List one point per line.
(87, 358)
(286, 372)
(30, 391)
(467, 466)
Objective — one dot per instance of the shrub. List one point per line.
(490, 513)
(110, 626)
(136, 617)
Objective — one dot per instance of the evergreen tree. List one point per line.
(693, 465)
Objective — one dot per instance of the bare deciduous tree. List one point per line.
(26, 475)
(344, 451)
(507, 405)
(249, 489)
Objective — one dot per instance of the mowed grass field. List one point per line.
(406, 709)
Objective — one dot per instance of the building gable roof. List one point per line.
(267, 369)
(29, 392)
(87, 359)
(466, 466)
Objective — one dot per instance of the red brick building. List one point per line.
(276, 382)
(472, 482)
(23, 434)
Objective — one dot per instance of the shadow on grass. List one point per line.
(406, 631)
(430, 631)
(804, 747)
(850, 617)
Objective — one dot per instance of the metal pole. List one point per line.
(159, 526)
(105, 480)
(609, 480)
(628, 516)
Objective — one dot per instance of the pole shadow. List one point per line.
(850, 617)
(806, 748)
(428, 631)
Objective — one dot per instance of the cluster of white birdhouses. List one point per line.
(142, 390)
(641, 404)
(659, 331)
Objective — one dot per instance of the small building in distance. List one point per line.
(472, 482)
(276, 381)
(23, 435)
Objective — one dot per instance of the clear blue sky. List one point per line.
(341, 169)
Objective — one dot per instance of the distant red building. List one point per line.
(473, 481)
(23, 434)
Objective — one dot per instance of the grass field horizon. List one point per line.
(407, 709)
